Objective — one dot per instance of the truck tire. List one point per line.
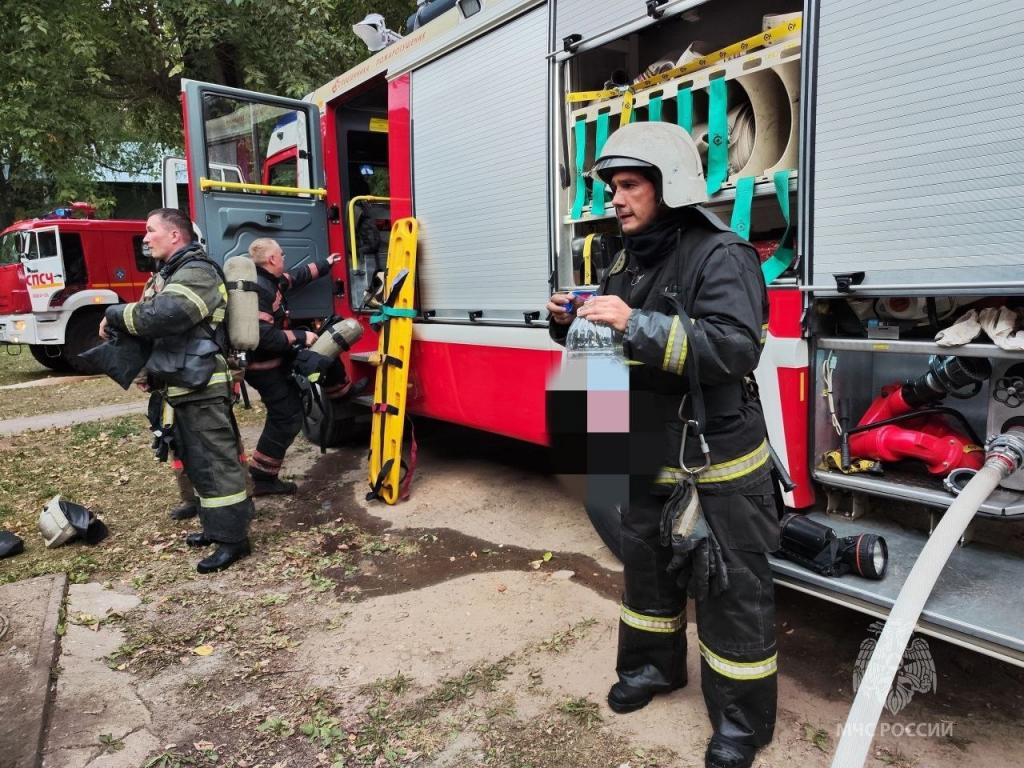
(50, 356)
(82, 334)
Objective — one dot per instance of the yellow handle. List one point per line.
(205, 184)
(352, 224)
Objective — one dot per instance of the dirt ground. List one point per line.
(473, 625)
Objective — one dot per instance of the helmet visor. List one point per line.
(606, 167)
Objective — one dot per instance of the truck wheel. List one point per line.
(51, 356)
(82, 334)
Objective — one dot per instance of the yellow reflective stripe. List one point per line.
(218, 378)
(740, 670)
(669, 476)
(683, 354)
(129, 321)
(223, 291)
(661, 624)
(223, 501)
(730, 470)
(188, 293)
(718, 473)
(671, 343)
(764, 334)
(217, 316)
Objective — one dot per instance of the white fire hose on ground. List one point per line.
(1004, 456)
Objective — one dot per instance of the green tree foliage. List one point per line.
(96, 84)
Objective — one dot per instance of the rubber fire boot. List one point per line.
(726, 753)
(197, 539)
(648, 663)
(224, 556)
(185, 511)
(272, 486)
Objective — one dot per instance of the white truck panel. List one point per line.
(918, 143)
(480, 174)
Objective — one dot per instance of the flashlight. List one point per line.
(817, 547)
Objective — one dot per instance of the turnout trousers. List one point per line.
(280, 396)
(206, 443)
(735, 629)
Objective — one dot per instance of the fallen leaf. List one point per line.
(547, 556)
(535, 564)
(502, 587)
(203, 746)
(203, 650)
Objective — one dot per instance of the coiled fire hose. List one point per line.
(1004, 455)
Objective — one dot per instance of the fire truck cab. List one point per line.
(835, 138)
(58, 272)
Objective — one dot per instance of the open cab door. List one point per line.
(255, 169)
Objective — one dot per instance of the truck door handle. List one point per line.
(273, 218)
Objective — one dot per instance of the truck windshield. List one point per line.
(11, 247)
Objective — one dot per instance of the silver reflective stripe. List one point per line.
(129, 321)
(669, 476)
(222, 377)
(675, 349)
(720, 473)
(188, 293)
(223, 501)
(736, 468)
(663, 624)
(740, 670)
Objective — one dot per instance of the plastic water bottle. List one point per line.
(587, 339)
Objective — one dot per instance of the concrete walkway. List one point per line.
(29, 614)
(98, 719)
(68, 418)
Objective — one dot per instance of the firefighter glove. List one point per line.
(697, 562)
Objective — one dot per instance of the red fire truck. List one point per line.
(57, 273)
(842, 129)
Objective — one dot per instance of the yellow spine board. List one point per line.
(392, 381)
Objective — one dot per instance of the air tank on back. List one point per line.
(337, 337)
(243, 303)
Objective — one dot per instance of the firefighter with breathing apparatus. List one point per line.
(689, 300)
(183, 312)
(270, 366)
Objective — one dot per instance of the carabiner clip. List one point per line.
(703, 447)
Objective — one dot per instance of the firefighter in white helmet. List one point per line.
(709, 454)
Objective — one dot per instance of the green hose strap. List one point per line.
(386, 313)
(718, 135)
(684, 109)
(740, 222)
(580, 131)
(654, 109)
(780, 261)
(598, 192)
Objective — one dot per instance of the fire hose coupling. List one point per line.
(1005, 452)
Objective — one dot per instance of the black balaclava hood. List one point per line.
(654, 244)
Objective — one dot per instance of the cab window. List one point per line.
(143, 262)
(41, 245)
(255, 143)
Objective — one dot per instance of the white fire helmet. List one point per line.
(54, 524)
(663, 146)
